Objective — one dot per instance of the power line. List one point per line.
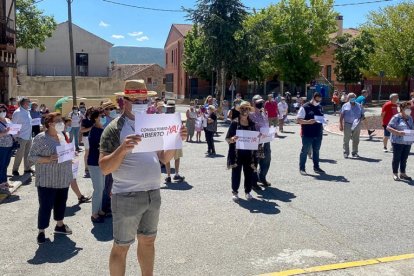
(249, 8)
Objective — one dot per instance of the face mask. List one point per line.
(398, 100)
(75, 110)
(68, 129)
(259, 105)
(3, 114)
(103, 120)
(407, 112)
(83, 109)
(139, 108)
(353, 100)
(60, 127)
(113, 114)
(315, 103)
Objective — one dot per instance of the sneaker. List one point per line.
(318, 170)
(385, 149)
(16, 173)
(84, 199)
(303, 172)
(257, 187)
(346, 155)
(41, 238)
(266, 183)
(370, 131)
(5, 191)
(64, 229)
(87, 175)
(235, 197)
(249, 197)
(355, 155)
(178, 178)
(168, 179)
(99, 219)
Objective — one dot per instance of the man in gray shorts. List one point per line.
(136, 196)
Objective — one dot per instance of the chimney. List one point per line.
(340, 25)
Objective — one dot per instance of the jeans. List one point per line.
(353, 135)
(210, 141)
(74, 135)
(399, 157)
(245, 164)
(307, 142)
(51, 199)
(98, 182)
(5, 157)
(22, 153)
(264, 164)
(106, 196)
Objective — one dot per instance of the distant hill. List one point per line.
(137, 55)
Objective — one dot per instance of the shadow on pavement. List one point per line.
(329, 161)
(260, 206)
(281, 136)
(59, 250)
(367, 159)
(331, 178)
(215, 156)
(11, 199)
(177, 186)
(271, 193)
(103, 231)
(72, 210)
(289, 132)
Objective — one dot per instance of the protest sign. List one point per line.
(75, 168)
(409, 135)
(14, 128)
(355, 124)
(65, 152)
(36, 121)
(320, 119)
(247, 140)
(158, 132)
(267, 134)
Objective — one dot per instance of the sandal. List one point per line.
(83, 199)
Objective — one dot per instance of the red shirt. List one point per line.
(11, 109)
(389, 109)
(271, 108)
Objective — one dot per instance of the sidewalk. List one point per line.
(16, 181)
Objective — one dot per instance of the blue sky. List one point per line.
(126, 26)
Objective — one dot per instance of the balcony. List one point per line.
(7, 35)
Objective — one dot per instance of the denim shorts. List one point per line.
(386, 132)
(135, 213)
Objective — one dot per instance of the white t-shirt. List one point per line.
(76, 118)
(139, 171)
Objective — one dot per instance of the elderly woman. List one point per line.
(241, 159)
(399, 124)
(6, 145)
(191, 115)
(52, 178)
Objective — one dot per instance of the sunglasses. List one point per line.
(244, 109)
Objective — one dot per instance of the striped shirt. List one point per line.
(50, 175)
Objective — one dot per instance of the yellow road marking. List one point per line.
(330, 267)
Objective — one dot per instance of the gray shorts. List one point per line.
(135, 213)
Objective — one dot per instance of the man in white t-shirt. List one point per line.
(76, 117)
(136, 198)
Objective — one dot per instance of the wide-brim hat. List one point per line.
(108, 104)
(170, 103)
(136, 89)
(246, 104)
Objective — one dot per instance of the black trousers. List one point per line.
(210, 141)
(106, 196)
(399, 157)
(51, 199)
(245, 164)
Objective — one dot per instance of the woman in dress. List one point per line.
(191, 115)
(52, 178)
(241, 159)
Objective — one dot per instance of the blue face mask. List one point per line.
(353, 100)
(68, 129)
(103, 120)
(113, 114)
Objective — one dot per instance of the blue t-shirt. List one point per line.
(361, 100)
(94, 141)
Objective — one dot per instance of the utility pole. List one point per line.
(382, 74)
(72, 58)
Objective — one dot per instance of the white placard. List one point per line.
(158, 132)
(36, 121)
(409, 135)
(14, 128)
(267, 134)
(355, 124)
(247, 140)
(65, 152)
(75, 169)
(320, 119)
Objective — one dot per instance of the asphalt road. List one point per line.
(354, 212)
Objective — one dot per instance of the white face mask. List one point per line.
(315, 103)
(3, 115)
(407, 112)
(60, 127)
(139, 108)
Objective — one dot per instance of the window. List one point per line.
(166, 58)
(329, 72)
(149, 80)
(164, 81)
(172, 56)
(82, 64)
(169, 82)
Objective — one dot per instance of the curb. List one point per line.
(23, 180)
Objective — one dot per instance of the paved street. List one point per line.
(354, 212)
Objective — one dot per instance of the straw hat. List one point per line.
(246, 104)
(170, 103)
(108, 104)
(136, 89)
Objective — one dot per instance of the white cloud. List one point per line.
(143, 38)
(118, 36)
(103, 24)
(135, 34)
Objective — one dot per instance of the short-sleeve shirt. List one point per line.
(22, 116)
(397, 122)
(138, 171)
(389, 109)
(271, 108)
(361, 100)
(76, 118)
(260, 119)
(86, 123)
(352, 112)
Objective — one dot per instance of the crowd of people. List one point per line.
(106, 136)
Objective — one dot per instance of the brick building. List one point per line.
(153, 74)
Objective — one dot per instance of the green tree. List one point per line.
(32, 26)
(392, 31)
(351, 56)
